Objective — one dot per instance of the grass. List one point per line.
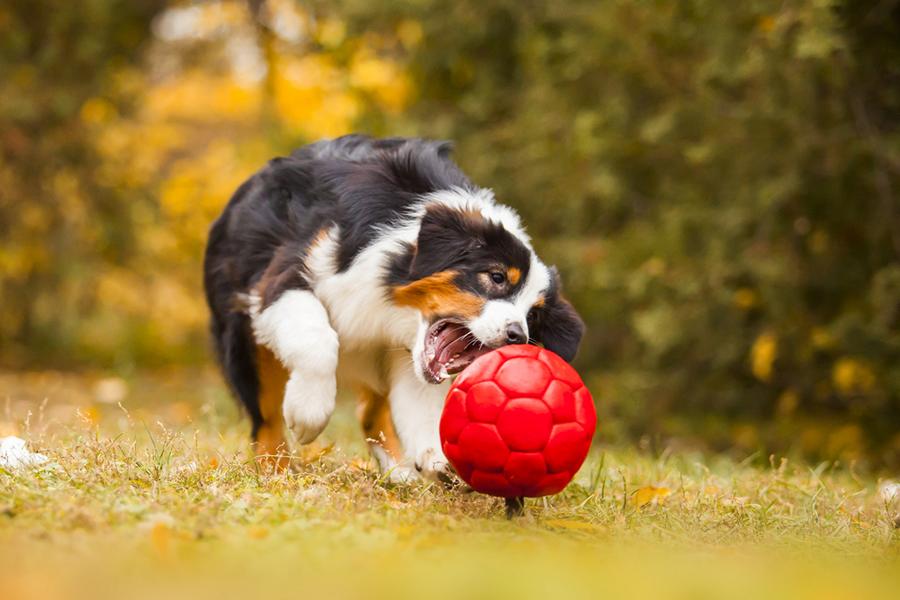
(151, 493)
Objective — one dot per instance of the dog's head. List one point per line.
(478, 285)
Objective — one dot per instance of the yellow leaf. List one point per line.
(648, 494)
(90, 415)
(97, 110)
(160, 537)
(410, 33)
(331, 32)
(762, 356)
(851, 375)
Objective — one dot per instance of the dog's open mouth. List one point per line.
(449, 348)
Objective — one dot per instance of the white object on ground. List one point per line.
(889, 491)
(14, 454)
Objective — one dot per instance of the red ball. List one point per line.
(518, 422)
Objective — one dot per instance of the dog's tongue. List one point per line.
(451, 341)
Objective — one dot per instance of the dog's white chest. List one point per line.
(358, 308)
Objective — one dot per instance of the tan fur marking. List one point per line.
(437, 294)
(374, 415)
(271, 449)
(321, 236)
(514, 275)
(541, 301)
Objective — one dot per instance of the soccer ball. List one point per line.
(518, 422)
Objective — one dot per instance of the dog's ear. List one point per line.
(446, 237)
(561, 327)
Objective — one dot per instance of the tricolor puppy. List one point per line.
(373, 264)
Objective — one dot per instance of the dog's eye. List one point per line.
(532, 315)
(498, 277)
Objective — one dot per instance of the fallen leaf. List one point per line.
(648, 494)
(160, 537)
(90, 415)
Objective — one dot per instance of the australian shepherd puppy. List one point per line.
(376, 265)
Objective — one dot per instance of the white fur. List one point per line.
(495, 318)
(355, 299)
(416, 411)
(296, 328)
(482, 201)
(536, 283)
(418, 349)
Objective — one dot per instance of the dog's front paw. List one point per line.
(401, 474)
(308, 405)
(432, 464)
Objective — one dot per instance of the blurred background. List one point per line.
(719, 183)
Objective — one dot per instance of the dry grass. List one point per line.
(150, 492)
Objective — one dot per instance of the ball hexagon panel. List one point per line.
(585, 413)
(481, 445)
(566, 440)
(520, 350)
(554, 483)
(525, 469)
(484, 401)
(525, 424)
(523, 376)
(487, 366)
(561, 400)
(489, 483)
(561, 370)
(454, 418)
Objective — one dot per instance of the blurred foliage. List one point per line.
(718, 181)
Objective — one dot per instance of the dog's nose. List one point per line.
(515, 334)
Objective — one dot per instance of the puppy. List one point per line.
(374, 264)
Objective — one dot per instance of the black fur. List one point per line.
(378, 192)
(556, 325)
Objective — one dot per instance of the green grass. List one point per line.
(156, 496)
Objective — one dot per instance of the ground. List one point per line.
(150, 491)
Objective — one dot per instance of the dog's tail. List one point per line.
(230, 328)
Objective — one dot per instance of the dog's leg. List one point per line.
(297, 330)
(375, 417)
(416, 409)
(271, 449)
